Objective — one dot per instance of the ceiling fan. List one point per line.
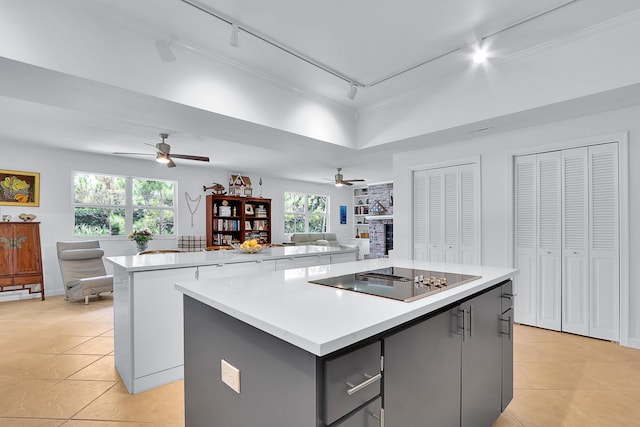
(163, 153)
(340, 181)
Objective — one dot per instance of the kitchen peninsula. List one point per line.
(148, 318)
(278, 350)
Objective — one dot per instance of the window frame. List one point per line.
(307, 214)
(127, 206)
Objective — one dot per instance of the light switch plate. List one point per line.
(230, 375)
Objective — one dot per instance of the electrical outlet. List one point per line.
(230, 375)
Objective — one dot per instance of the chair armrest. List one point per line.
(92, 282)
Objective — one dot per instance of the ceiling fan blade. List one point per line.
(347, 183)
(135, 154)
(171, 164)
(189, 157)
(352, 180)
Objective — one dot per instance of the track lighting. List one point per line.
(162, 158)
(164, 50)
(353, 90)
(480, 54)
(234, 39)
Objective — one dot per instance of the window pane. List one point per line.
(317, 204)
(317, 224)
(99, 222)
(293, 223)
(152, 193)
(294, 202)
(99, 189)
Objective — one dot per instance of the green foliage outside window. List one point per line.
(305, 213)
(101, 207)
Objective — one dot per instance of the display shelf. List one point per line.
(234, 219)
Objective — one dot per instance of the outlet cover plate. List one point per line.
(230, 375)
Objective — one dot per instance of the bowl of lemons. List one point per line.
(249, 247)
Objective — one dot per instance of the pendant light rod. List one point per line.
(350, 80)
(274, 43)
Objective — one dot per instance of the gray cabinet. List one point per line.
(350, 380)
(506, 320)
(481, 359)
(422, 373)
(448, 370)
(368, 416)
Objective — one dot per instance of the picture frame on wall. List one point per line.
(248, 209)
(343, 214)
(18, 188)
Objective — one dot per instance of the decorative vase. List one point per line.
(142, 245)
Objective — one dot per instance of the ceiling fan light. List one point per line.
(480, 55)
(163, 158)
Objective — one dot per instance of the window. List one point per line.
(305, 213)
(109, 205)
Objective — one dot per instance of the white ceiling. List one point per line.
(363, 40)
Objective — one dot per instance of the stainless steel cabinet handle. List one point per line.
(463, 314)
(508, 320)
(508, 295)
(470, 321)
(369, 381)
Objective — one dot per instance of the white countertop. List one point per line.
(322, 319)
(163, 261)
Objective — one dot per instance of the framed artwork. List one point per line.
(19, 188)
(248, 209)
(343, 214)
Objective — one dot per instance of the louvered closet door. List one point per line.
(420, 216)
(549, 241)
(469, 217)
(575, 257)
(525, 240)
(435, 215)
(604, 242)
(451, 215)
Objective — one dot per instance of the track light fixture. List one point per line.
(234, 39)
(480, 53)
(353, 91)
(164, 50)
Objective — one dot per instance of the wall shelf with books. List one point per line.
(234, 219)
(360, 212)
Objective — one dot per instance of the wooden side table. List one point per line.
(21, 258)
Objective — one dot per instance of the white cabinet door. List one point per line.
(575, 260)
(435, 215)
(525, 283)
(451, 215)
(420, 250)
(213, 272)
(549, 240)
(157, 324)
(469, 215)
(604, 242)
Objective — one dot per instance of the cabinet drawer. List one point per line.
(6, 281)
(339, 258)
(368, 416)
(351, 380)
(27, 280)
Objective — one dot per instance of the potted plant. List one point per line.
(141, 237)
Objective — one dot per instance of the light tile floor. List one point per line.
(56, 369)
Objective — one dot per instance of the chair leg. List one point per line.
(86, 299)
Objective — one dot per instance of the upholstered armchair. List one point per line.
(83, 271)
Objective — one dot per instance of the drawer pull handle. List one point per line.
(369, 381)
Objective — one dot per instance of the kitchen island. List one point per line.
(148, 319)
(314, 355)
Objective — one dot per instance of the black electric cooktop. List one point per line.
(403, 284)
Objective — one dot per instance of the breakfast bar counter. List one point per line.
(148, 314)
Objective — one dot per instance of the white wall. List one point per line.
(494, 162)
(55, 212)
